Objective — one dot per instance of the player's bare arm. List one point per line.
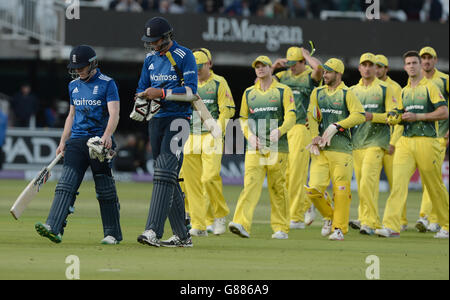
(67, 130)
(151, 93)
(113, 109)
(315, 64)
(441, 113)
(279, 63)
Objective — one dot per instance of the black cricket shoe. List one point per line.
(175, 241)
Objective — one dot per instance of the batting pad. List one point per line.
(165, 180)
(109, 205)
(64, 198)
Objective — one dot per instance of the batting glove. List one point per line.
(140, 110)
(98, 151)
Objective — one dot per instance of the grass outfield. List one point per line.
(305, 255)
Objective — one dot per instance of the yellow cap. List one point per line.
(294, 54)
(208, 53)
(334, 64)
(367, 57)
(262, 59)
(428, 50)
(200, 57)
(382, 60)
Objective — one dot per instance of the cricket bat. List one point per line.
(32, 189)
(206, 117)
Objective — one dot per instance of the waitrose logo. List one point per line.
(234, 30)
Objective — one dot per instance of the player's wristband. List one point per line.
(163, 94)
(339, 127)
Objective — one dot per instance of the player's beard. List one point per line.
(428, 67)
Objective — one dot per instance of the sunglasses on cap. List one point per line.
(291, 63)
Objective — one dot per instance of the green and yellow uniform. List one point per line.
(388, 159)
(441, 81)
(298, 138)
(418, 148)
(334, 162)
(370, 141)
(261, 112)
(203, 156)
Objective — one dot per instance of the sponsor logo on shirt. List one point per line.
(370, 105)
(163, 77)
(415, 106)
(87, 102)
(263, 109)
(331, 111)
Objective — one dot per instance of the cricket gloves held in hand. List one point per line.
(145, 109)
(328, 134)
(98, 151)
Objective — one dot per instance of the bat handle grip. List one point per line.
(55, 161)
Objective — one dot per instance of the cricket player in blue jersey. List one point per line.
(169, 69)
(87, 141)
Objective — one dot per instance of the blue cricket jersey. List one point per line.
(90, 100)
(158, 72)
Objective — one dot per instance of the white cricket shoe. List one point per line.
(442, 234)
(209, 228)
(422, 224)
(220, 226)
(148, 237)
(238, 229)
(366, 230)
(280, 235)
(198, 232)
(387, 232)
(297, 225)
(434, 227)
(337, 235)
(109, 240)
(326, 228)
(310, 215)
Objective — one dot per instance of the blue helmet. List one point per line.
(80, 57)
(155, 29)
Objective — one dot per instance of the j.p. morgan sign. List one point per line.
(231, 30)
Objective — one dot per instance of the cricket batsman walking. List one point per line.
(168, 69)
(85, 142)
(333, 110)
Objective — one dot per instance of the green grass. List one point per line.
(305, 255)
